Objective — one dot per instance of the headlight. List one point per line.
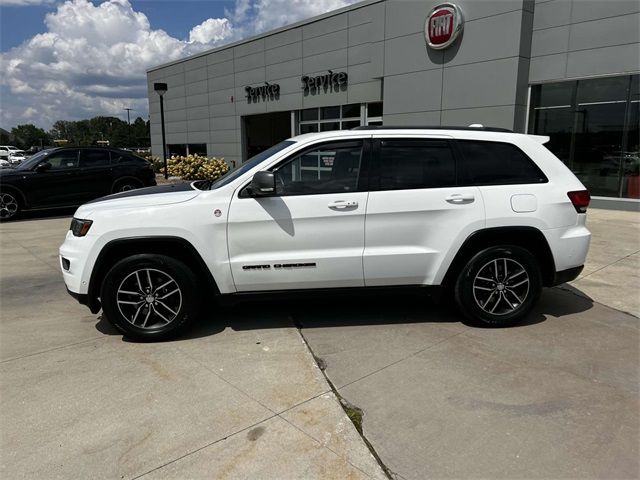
(79, 227)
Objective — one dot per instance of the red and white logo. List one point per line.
(444, 24)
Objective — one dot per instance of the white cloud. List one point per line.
(212, 30)
(92, 58)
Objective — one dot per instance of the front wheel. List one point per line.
(499, 286)
(150, 297)
(9, 205)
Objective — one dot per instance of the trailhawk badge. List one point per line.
(444, 24)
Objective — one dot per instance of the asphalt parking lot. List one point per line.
(242, 397)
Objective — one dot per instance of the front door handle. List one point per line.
(342, 204)
(460, 198)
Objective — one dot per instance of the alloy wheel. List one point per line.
(126, 187)
(8, 205)
(501, 286)
(149, 298)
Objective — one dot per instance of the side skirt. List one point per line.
(432, 291)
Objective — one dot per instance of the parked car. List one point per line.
(70, 176)
(5, 150)
(488, 215)
(4, 163)
(17, 156)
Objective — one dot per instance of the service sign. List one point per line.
(444, 24)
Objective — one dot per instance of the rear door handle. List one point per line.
(342, 204)
(460, 198)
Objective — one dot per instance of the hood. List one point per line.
(146, 197)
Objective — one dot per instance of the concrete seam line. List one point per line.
(606, 266)
(323, 446)
(54, 349)
(204, 446)
(210, 370)
(402, 359)
(387, 471)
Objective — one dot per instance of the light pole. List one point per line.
(129, 123)
(161, 89)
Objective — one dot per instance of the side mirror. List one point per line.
(263, 184)
(43, 167)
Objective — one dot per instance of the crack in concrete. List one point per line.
(384, 468)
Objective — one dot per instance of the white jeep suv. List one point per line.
(489, 215)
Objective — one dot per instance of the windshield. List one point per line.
(231, 175)
(33, 161)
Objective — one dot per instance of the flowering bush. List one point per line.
(195, 167)
(157, 163)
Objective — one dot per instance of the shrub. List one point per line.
(157, 163)
(195, 167)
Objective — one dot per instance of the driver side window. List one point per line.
(62, 160)
(328, 168)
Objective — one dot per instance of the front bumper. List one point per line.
(85, 299)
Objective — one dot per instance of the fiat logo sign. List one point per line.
(444, 24)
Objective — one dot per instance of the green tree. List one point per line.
(140, 135)
(29, 135)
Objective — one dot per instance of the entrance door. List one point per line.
(264, 131)
(311, 234)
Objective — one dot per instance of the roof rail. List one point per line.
(435, 127)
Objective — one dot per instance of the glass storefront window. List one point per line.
(309, 114)
(351, 111)
(337, 117)
(325, 127)
(197, 149)
(309, 128)
(327, 113)
(593, 129)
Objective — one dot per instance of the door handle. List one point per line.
(342, 204)
(460, 198)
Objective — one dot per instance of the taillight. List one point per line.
(580, 200)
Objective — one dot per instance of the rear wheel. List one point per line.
(499, 286)
(125, 186)
(9, 205)
(150, 297)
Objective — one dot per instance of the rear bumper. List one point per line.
(567, 275)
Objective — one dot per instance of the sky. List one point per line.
(76, 59)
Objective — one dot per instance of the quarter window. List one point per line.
(414, 163)
(496, 163)
(330, 168)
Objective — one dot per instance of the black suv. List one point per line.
(70, 176)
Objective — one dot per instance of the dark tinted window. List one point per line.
(62, 160)
(94, 158)
(494, 163)
(409, 163)
(329, 168)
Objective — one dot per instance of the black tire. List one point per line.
(126, 185)
(498, 299)
(10, 205)
(141, 313)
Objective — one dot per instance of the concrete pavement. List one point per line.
(612, 273)
(556, 397)
(240, 397)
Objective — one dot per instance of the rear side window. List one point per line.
(415, 163)
(496, 163)
(94, 158)
(120, 157)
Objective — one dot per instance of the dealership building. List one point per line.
(569, 69)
